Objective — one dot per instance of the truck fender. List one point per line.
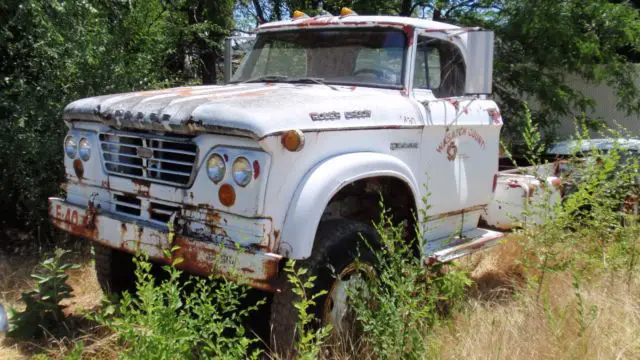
(319, 186)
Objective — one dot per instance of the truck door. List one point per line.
(459, 145)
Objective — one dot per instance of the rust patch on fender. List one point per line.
(495, 116)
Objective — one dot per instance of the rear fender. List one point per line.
(319, 186)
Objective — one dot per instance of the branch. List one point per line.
(251, 32)
(424, 4)
(460, 5)
(259, 12)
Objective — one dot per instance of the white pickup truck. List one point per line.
(289, 159)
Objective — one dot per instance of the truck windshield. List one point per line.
(366, 57)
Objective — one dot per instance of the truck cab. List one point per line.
(289, 160)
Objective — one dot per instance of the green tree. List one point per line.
(53, 52)
(541, 42)
(207, 24)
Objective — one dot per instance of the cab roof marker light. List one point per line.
(299, 15)
(345, 11)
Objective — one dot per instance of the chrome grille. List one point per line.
(155, 211)
(127, 204)
(161, 212)
(154, 158)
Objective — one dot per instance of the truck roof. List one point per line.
(356, 21)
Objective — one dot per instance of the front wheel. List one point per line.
(115, 270)
(341, 258)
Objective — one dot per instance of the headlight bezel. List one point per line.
(221, 169)
(81, 148)
(70, 150)
(242, 171)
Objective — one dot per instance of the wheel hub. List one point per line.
(337, 309)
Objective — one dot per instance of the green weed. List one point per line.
(43, 311)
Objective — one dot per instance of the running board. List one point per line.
(470, 242)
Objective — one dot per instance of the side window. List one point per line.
(439, 67)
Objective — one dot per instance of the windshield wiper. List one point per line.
(291, 80)
(314, 80)
(267, 78)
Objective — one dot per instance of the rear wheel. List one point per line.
(115, 270)
(338, 243)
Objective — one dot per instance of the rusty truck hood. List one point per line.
(250, 109)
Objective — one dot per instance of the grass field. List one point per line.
(502, 317)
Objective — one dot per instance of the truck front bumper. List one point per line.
(257, 268)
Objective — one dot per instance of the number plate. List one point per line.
(69, 215)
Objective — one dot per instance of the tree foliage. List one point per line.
(53, 52)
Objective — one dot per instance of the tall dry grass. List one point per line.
(600, 319)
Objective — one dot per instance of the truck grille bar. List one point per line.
(166, 160)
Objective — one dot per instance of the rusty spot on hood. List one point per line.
(185, 92)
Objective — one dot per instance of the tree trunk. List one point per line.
(437, 14)
(259, 12)
(277, 9)
(207, 55)
(405, 8)
(208, 67)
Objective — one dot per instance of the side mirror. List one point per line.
(479, 62)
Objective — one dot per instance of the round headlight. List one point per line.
(216, 168)
(242, 171)
(84, 149)
(70, 146)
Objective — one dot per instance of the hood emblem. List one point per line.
(144, 153)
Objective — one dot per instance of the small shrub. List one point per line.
(308, 340)
(43, 310)
(396, 308)
(200, 318)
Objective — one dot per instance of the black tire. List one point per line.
(337, 243)
(115, 270)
